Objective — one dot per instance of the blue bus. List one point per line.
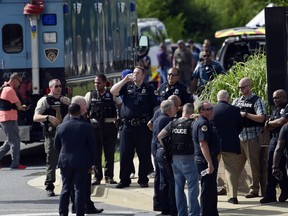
(65, 39)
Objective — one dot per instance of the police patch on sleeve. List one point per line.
(156, 92)
(188, 91)
(204, 128)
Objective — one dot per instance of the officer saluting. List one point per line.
(206, 150)
(139, 100)
(102, 114)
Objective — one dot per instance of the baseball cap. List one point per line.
(125, 72)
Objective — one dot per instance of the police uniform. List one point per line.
(203, 130)
(136, 110)
(50, 106)
(102, 112)
(205, 73)
(271, 180)
(179, 89)
(183, 165)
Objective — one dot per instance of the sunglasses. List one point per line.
(58, 86)
(170, 74)
(208, 109)
(242, 87)
(18, 80)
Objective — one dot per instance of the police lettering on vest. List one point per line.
(102, 106)
(181, 137)
(247, 105)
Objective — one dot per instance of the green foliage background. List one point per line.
(254, 68)
(200, 19)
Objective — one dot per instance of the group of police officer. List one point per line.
(135, 101)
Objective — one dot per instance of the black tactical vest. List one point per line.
(181, 137)
(102, 106)
(4, 104)
(248, 106)
(55, 105)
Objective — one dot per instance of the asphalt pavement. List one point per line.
(142, 198)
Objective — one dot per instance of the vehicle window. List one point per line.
(12, 38)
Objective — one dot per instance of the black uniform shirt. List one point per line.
(179, 89)
(203, 130)
(138, 102)
(278, 113)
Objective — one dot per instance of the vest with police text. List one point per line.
(247, 105)
(181, 137)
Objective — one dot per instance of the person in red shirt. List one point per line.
(9, 106)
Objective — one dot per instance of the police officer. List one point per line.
(165, 193)
(205, 71)
(139, 101)
(174, 87)
(206, 150)
(282, 145)
(183, 164)
(49, 111)
(102, 112)
(278, 119)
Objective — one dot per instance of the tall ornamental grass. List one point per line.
(254, 68)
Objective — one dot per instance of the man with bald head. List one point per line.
(229, 124)
(253, 113)
(274, 124)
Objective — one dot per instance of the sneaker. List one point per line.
(251, 195)
(50, 193)
(96, 182)
(121, 185)
(144, 185)
(222, 191)
(110, 180)
(233, 200)
(19, 167)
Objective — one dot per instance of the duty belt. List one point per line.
(135, 122)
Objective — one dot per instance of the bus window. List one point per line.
(12, 38)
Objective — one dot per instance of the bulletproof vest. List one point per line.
(181, 137)
(102, 106)
(248, 106)
(4, 104)
(56, 108)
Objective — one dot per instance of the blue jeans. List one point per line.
(12, 143)
(184, 169)
(163, 73)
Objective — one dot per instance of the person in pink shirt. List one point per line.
(9, 106)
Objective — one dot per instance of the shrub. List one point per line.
(254, 68)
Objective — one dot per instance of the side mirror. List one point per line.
(143, 46)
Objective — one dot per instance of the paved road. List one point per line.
(19, 198)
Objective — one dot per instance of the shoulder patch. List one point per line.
(156, 92)
(188, 91)
(204, 128)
